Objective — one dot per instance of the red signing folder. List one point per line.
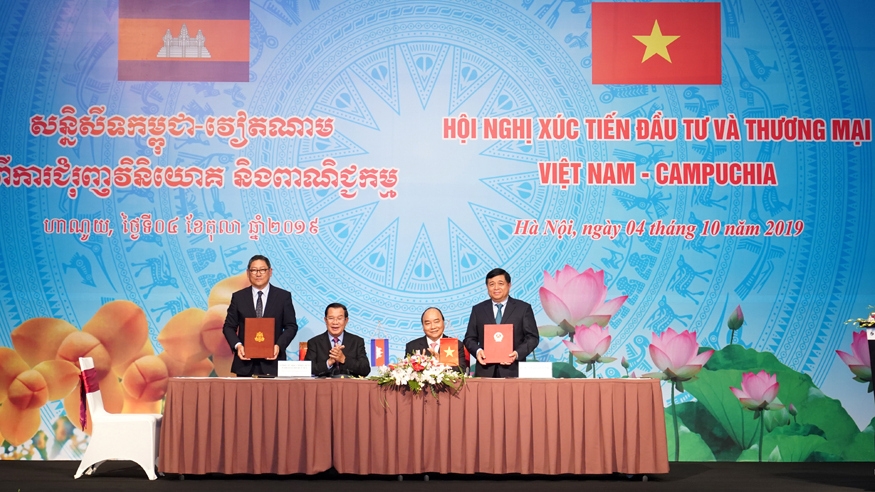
(258, 343)
(497, 343)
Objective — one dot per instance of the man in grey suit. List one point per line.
(261, 299)
(505, 310)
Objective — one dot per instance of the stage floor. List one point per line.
(58, 475)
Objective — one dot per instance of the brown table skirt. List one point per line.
(552, 426)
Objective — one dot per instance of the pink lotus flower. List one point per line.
(590, 344)
(677, 356)
(578, 298)
(758, 391)
(736, 319)
(858, 359)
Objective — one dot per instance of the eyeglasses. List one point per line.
(333, 320)
(258, 271)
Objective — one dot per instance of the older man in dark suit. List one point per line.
(260, 300)
(505, 310)
(433, 342)
(337, 352)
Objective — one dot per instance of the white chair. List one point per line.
(116, 436)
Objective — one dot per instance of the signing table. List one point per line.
(528, 426)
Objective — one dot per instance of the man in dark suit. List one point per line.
(260, 300)
(505, 310)
(337, 352)
(433, 326)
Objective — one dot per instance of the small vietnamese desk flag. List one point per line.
(656, 43)
(379, 351)
(449, 353)
(193, 40)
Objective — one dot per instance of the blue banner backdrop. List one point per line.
(387, 154)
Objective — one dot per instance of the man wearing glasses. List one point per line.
(337, 352)
(260, 300)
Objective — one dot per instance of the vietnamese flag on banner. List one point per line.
(379, 351)
(193, 40)
(656, 43)
(449, 354)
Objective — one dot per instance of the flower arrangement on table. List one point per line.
(864, 323)
(420, 372)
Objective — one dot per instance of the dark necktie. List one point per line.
(336, 341)
(259, 307)
(498, 313)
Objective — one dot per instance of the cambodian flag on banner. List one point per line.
(656, 43)
(194, 40)
(379, 352)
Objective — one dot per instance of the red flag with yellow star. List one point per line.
(656, 43)
(449, 354)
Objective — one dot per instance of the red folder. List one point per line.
(258, 343)
(497, 343)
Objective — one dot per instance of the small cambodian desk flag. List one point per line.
(449, 354)
(193, 40)
(656, 43)
(379, 352)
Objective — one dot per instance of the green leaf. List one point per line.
(736, 357)
(550, 331)
(812, 405)
(566, 327)
(828, 414)
(793, 448)
(776, 418)
(712, 390)
(861, 448)
(698, 419)
(566, 370)
(747, 360)
(693, 447)
(774, 456)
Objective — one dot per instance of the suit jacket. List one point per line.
(278, 306)
(421, 343)
(525, 334)
(357, 363)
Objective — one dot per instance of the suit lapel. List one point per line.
(271, 302)
(421, 343)
(488, 311)
(248, 303)
(508, 308)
